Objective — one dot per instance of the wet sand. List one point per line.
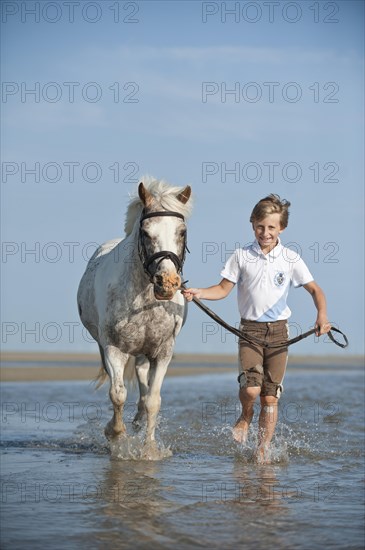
(37, 374)
(78, 366)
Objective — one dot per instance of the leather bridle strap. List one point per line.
(163, 213)
(163, 254)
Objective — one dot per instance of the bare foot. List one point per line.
(240, 430)
(262, 455)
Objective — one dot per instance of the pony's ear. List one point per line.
(144, 195)
(184, 195)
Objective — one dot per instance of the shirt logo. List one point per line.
(279, 278)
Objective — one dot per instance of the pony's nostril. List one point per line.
(159, 280)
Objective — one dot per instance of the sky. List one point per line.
(237, 99)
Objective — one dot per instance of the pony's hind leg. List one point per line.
(115, 362)
(142, 370)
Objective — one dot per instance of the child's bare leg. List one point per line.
(247, 397)
(267, 423)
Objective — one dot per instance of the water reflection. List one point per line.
(132, 504)
(258, 484)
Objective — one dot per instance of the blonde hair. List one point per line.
(272, 204)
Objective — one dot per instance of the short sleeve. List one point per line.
(301, 274)
(231, 270)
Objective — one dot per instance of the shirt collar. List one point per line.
(274, 253)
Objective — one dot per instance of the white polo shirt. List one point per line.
(263, 281)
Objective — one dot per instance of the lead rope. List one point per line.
(253, 340)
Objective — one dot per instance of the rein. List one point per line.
(253, 340)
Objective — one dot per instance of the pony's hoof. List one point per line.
(150, 451)
(111, 432)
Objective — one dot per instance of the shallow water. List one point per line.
(64, 487)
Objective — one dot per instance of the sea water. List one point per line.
(63, 486)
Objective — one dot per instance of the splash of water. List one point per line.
(133, 447)
(277, 453)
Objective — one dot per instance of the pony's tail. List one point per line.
(129, 373)
(103, 373)
(100, 377)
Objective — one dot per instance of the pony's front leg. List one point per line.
(115, 362)
(142, 370)
(153, 398)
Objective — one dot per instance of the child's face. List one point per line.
(267, 231)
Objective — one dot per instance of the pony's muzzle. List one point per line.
(165, 285)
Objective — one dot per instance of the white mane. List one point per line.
(165, 196)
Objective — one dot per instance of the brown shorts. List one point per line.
(261, 366)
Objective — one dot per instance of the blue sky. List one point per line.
(267, 98)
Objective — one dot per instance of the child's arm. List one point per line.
(319, 300)
(215, 292)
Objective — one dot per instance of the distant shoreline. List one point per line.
(185, 358)
(85, 366)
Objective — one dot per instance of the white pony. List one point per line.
(128, 299)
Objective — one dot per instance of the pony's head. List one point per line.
(162, 235)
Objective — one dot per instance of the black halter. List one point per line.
(163, 254)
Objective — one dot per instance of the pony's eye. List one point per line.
(183, 233)
(145, 234)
